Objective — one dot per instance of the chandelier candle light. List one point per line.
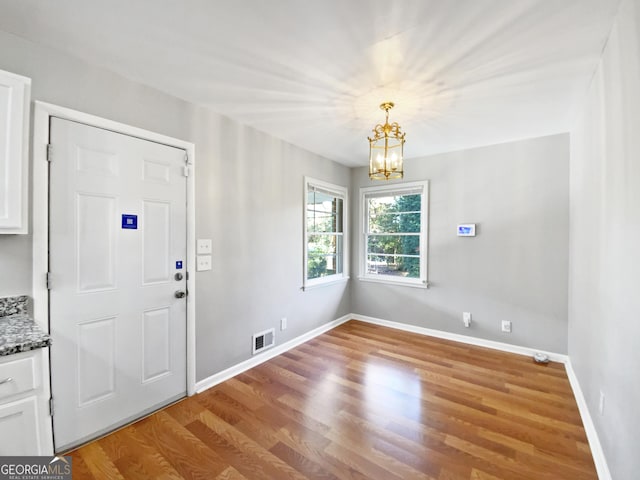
(385, 149)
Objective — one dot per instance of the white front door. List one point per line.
(117, 257)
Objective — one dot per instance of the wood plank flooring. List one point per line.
(362, 402)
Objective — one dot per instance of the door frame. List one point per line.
(42, 112)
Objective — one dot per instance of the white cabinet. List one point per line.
(14, 140)
(20, 419)
(24, 415)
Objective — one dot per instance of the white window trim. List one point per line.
(421, 282)
(340, 191)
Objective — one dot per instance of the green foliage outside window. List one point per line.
(394, 235)
(324, 235)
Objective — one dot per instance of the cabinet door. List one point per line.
(19, 424)
(14, 137)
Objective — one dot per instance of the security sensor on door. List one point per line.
(467, 230)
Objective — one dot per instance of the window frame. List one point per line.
(337, 191)
(381, 190)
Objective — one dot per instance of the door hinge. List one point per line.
(186, 157)
(51, 406)
(186, 171)
(48, 280)
(49, 152)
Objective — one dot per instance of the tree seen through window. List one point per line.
(393, 235)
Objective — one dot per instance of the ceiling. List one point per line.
(463, 73)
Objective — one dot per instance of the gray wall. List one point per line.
(250, 202)
(514, 269)
(604, 298)
(249, 191)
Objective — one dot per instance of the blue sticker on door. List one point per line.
(129, 222)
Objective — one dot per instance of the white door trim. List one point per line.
(42, 112)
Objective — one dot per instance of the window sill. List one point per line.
(418, 284)
(328, 283)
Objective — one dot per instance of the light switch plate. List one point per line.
(203, 246)
(203, 262)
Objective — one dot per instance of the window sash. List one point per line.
(322, 219)
(372, 264)
(394, 192)
(327, 191)
(329, 261)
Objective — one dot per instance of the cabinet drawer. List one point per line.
(17, 376)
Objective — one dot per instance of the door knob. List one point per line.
(179, 294)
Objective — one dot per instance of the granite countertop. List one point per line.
(18, 331)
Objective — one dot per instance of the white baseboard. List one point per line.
(237, 369)
(505, 347)
(277, 350)
(592, 435)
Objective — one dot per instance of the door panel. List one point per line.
(156, 242)
(96, 242)
(92, 161)
(119, 332)
(155, 343)
(96, 360)
(156, 172)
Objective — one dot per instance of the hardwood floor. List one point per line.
(362, 402)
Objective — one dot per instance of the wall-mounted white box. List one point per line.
(203, 262)
(203, 246)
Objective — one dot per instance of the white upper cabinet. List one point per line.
(14, 161)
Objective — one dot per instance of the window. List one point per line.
(324, 240)
(394, 240)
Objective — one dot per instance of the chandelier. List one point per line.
(385, 149)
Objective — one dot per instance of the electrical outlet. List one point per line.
(203, 246)
(283, 323)
(506, 326)
(466, 318)
(601, 403)
(203, 262)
